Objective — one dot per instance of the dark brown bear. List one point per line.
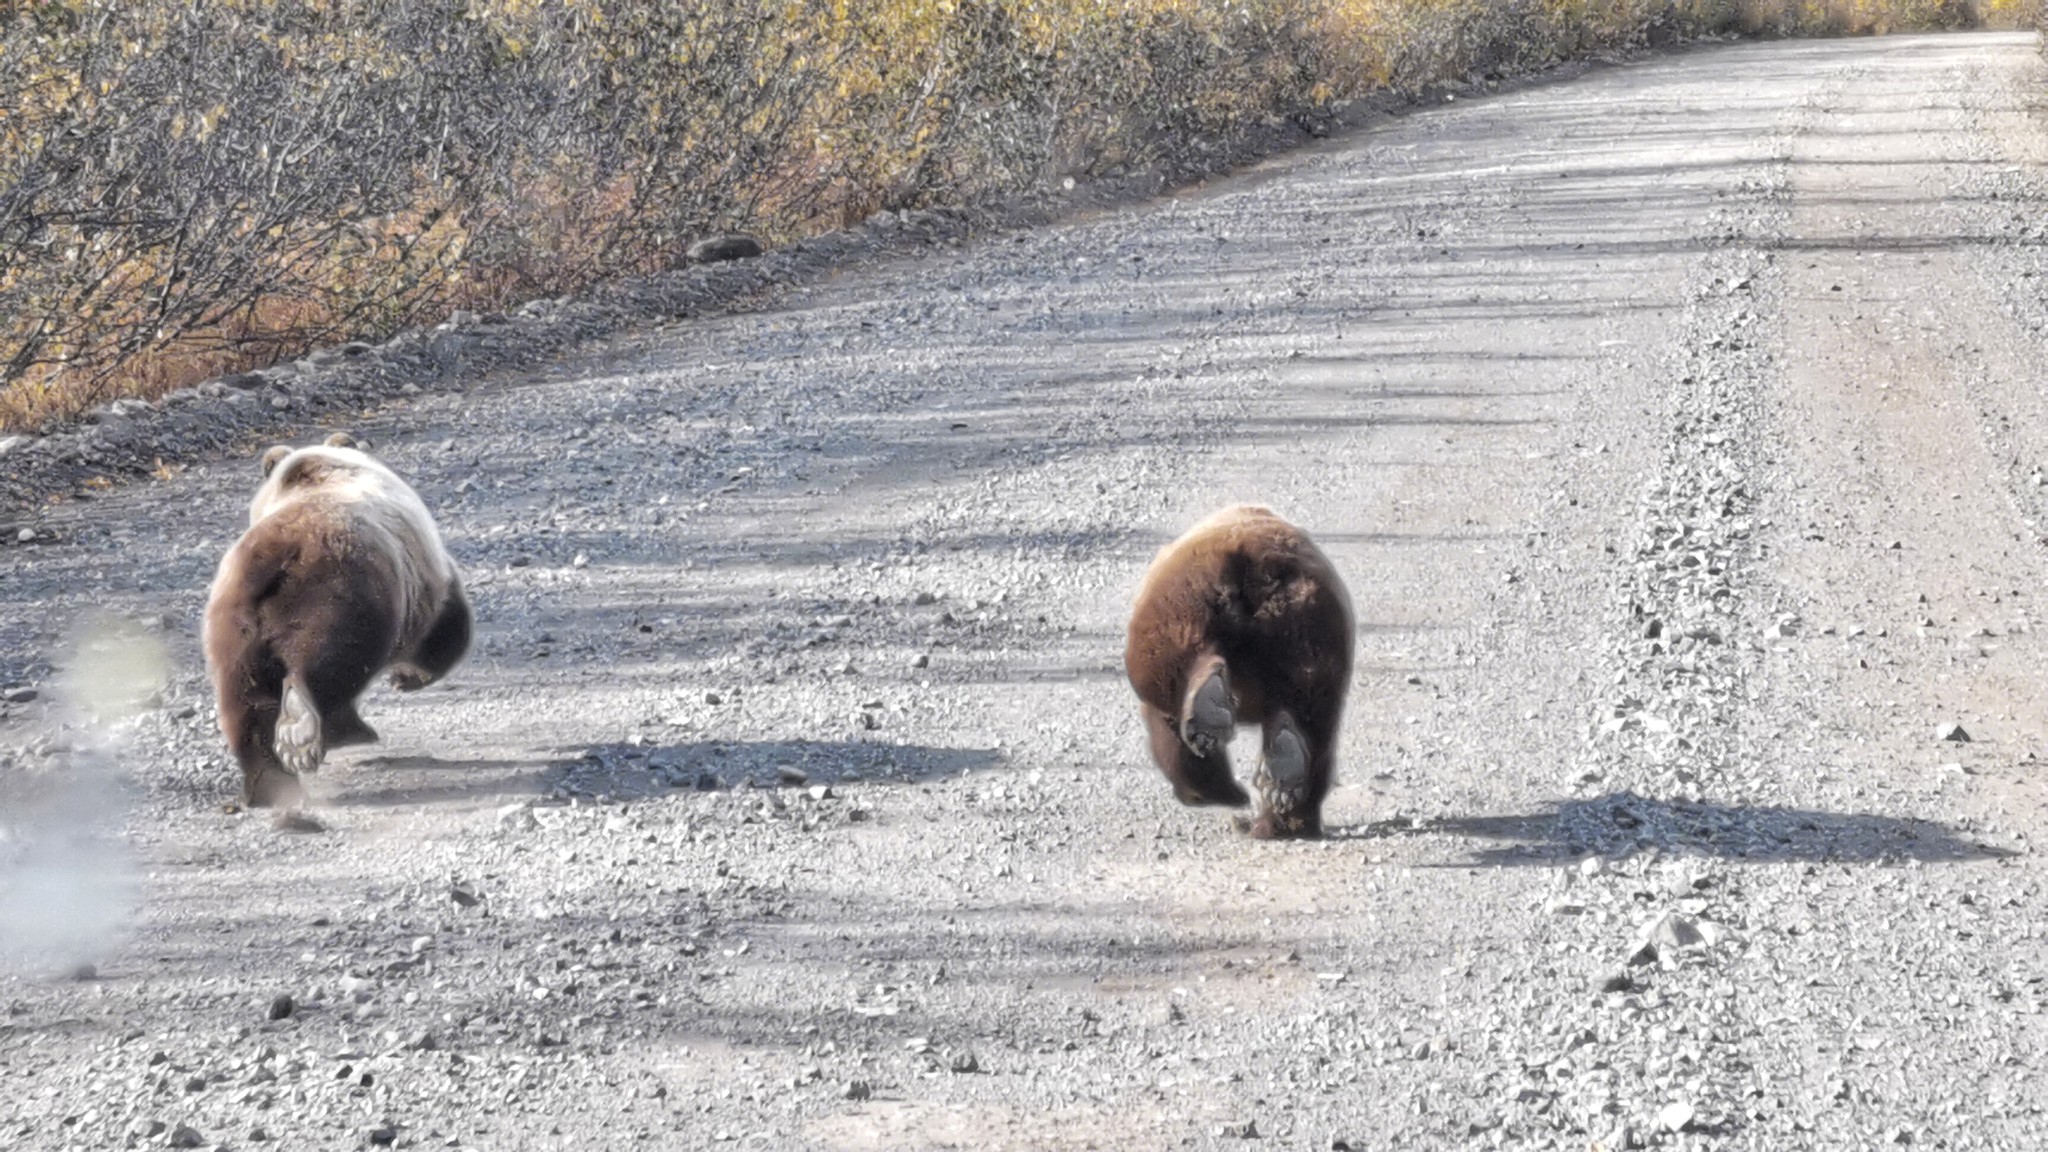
(340, 576)
(1243, 620)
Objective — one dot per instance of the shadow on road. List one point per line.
(627, 771)
(1625, 822)
(642, 771)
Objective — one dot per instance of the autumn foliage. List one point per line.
(191, 187)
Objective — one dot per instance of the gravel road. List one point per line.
(1680, 430)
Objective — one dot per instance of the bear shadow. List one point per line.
(1623, 823)
(641, 771)
(629, 772)
(390, 780)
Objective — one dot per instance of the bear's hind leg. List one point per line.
(1208, 711)
(297, 738)
(444, 645)
(1290, 800)
(1197, 780)
(343, 726)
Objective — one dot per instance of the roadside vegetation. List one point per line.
(193, 188)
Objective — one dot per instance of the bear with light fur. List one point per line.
(341, 575)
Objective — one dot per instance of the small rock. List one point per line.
(1247, 1130)
(25, 536)
(281, 1007)
(791, 775)
(1673, 1117)
(1953, 733)
(857, 1090)
(1672, 930)
(581, 561)
(821, 792)
(18, 695)
(718, 249)
(186, 1136)
(713, 698)
(924, 598)
(464, 897)
(921, 660)
(383, 1137)
(964, 1063)
(1618, 982)
(518, 817)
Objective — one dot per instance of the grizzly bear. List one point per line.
(341, 575)
(1244, 620)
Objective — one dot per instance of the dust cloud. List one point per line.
(67, 876)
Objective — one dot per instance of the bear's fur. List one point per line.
(340, 576)
(1244, 620)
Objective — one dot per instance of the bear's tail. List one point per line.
(298, 740)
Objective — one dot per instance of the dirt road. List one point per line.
(1681, 430)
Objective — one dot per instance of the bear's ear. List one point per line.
(273, 458)
(342, 440)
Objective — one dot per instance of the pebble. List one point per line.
(1953, 733)
(857, 1090)
(25, 536)
(1673, 1117)
(1672, 930)
(791, 775)
(383, 1137)
(281, 1007)
(18, 695)
(186, 1136)
(518, 817)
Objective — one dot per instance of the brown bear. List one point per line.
(1244, 620)
(341, 575)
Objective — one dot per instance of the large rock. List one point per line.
(719, 249)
